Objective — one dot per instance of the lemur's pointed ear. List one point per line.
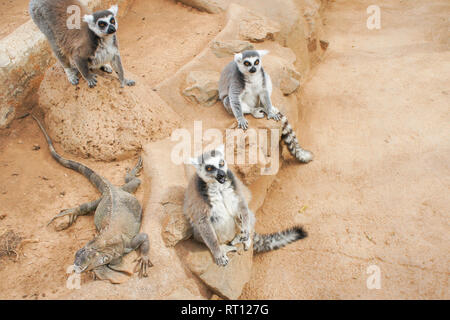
(114, 9)
(221, 149)
(262, 52)
(238, 57)
(88, 18)
(194, 162)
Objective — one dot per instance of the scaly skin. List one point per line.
(117, 218)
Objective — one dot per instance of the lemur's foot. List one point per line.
(72, 213)
(243, 237)
(274, 115)
(127, 82)
(72, 76)
(143, 263)
(247, 244)
(106, 68)
(92, 80)
(221, 259)
(243, 123)
(258, 113)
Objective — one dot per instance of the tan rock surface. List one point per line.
(106, 122)
(202, 87)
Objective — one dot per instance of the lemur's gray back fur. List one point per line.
(244, 87)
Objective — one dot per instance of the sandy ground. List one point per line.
(34, 187)
(376, 114)
(13, 13)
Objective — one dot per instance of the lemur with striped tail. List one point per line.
(245, 88)
(218, 212)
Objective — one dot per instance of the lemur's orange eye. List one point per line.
(256, 62)
(113, 21)
(246, 63)
(102, 24)
(209, 168)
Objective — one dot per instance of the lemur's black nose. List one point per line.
(111, 29)
(220, 176)
(252, 70)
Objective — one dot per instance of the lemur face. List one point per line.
(249, 62)
(211, 166)
(103, 23)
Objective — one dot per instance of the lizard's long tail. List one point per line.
(277, 240)
(99, 182)
(290, 139)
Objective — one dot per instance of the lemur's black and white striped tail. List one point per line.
(277, 240)
(290, 139)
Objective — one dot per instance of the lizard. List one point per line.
(117, 218)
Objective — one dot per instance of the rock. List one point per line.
(175, 226)
(288, 85)
(226, 282)
(106, 122)
(203, 87)
(258, 28)
(6, 115)
(229, 47)
(211, 6)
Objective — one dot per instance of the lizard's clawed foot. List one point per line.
(143, 263)
(72, 213)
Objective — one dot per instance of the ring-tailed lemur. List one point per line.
(245, 88)
(219, 214)
(90, 45)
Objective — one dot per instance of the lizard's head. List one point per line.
(89, 257)
(249, 61)
(211, 166)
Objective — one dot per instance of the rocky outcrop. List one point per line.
(229, 47)
(203, 87)
(227, 282)
(106, 122)
(211, 6)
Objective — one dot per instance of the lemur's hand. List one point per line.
(243, 123)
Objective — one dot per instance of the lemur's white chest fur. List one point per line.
(224, 209)
(254, 87)
(105, 52)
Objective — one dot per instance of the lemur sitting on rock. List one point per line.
(91, 45)
(219, 214)
(245, 88)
